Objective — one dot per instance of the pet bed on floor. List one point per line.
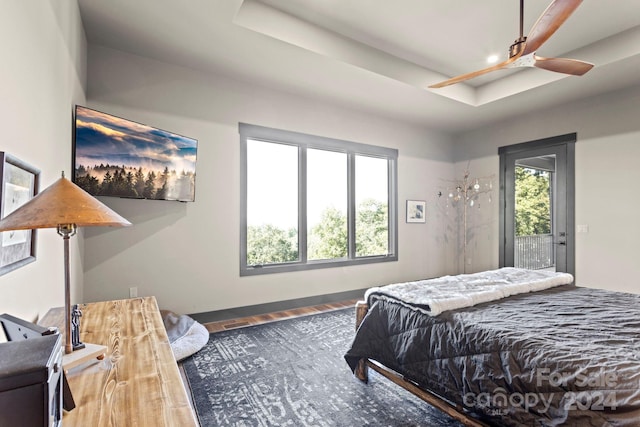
(186, 336)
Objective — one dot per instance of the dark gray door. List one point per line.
(537, 204)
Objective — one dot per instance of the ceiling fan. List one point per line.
(522, 53)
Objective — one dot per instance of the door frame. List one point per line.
(566, 140)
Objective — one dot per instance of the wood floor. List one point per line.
(278, 315)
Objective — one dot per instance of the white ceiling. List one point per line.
(380, 55)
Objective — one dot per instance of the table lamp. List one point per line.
(65, 206)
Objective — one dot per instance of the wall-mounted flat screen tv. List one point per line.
(121, 158)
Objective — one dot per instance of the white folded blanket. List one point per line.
(433, 296)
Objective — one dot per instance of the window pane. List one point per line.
(533, 241)
(349, 201)
(272, 203)
(372, 206)
(326, 205)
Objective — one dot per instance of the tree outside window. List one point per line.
(313, 202)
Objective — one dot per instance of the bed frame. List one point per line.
(361, 372)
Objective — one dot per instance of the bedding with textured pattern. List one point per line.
(561, 356)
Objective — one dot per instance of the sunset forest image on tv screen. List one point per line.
(122, 158)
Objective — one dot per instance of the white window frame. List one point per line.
(304, 142)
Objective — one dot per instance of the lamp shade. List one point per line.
(62, 203)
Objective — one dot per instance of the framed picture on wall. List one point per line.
(20, 183)
(416, 211)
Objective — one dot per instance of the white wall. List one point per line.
(607, 174)
(43, 75)
(187, 255)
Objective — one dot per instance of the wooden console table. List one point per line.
(138, 382)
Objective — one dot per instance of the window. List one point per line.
(313, 202)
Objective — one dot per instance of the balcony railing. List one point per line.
(534, 252)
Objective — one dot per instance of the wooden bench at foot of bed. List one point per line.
(361, 373)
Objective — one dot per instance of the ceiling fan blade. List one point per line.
(563, 65)
(474, 74)
(550, 20)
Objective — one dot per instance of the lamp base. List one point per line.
(84, 355)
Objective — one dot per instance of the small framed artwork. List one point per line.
(20, 183)
(416, 211)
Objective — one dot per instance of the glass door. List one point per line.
(536, 196)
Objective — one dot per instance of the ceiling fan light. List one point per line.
(522, 51)
(492, 59)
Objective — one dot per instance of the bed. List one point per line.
(507, 349)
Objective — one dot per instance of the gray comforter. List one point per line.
(562, 356)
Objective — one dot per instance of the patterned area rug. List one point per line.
(292, 373)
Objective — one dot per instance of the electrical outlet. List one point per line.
(133, 292)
